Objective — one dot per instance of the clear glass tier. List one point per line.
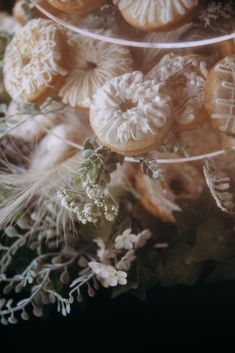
(210, 25)
(210, 35)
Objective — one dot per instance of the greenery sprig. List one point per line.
(88, 197)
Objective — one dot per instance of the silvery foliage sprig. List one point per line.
(51, 261)
(151, 168)
(220, 178)
(108, 267)
(48, 262)
(88, 197)
(215, 17)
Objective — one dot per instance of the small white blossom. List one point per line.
(126, 240)
(107, 274)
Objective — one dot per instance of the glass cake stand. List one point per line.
(211, 33)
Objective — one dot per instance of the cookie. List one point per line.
(220, 95)
(157, 15)
(183, 78)
(130, 115)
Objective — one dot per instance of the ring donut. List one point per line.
(91, 64)
(130, 115)
(75, 6)
(184, 79)
(34, 62)
(156, 15)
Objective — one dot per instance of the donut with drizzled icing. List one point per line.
(130, 115)
(156, 15)
(34, 62)
(184, 79)
(91, 64)
(76, 6)
(220, 95)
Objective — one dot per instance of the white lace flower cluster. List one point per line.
(108, 275)
(114, 262)
(88, 196)
(95, 207)
(129, 241)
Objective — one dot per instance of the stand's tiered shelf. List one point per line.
(211, 35)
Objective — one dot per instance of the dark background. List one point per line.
(197, 319)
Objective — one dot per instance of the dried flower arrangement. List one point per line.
(77, 224)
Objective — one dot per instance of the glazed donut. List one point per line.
(34, 62)
(156, 15)
(160, 198)
(92, 63)
(184, 80)
(76, 6)
(220, 95)
(130, 115)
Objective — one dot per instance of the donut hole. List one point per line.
(91, 66)
(127, 105)
(177, 186)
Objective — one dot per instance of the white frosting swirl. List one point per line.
(92, 63)
(129, 108)
(184, 79)
(32, 59)
(225, 95)
(150, 12)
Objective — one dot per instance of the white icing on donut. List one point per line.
(150, 12)
(226, 70)
(32, 59)
(92, 64)
(129, 108)
(184, 79)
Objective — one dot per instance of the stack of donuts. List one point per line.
(130, 111)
